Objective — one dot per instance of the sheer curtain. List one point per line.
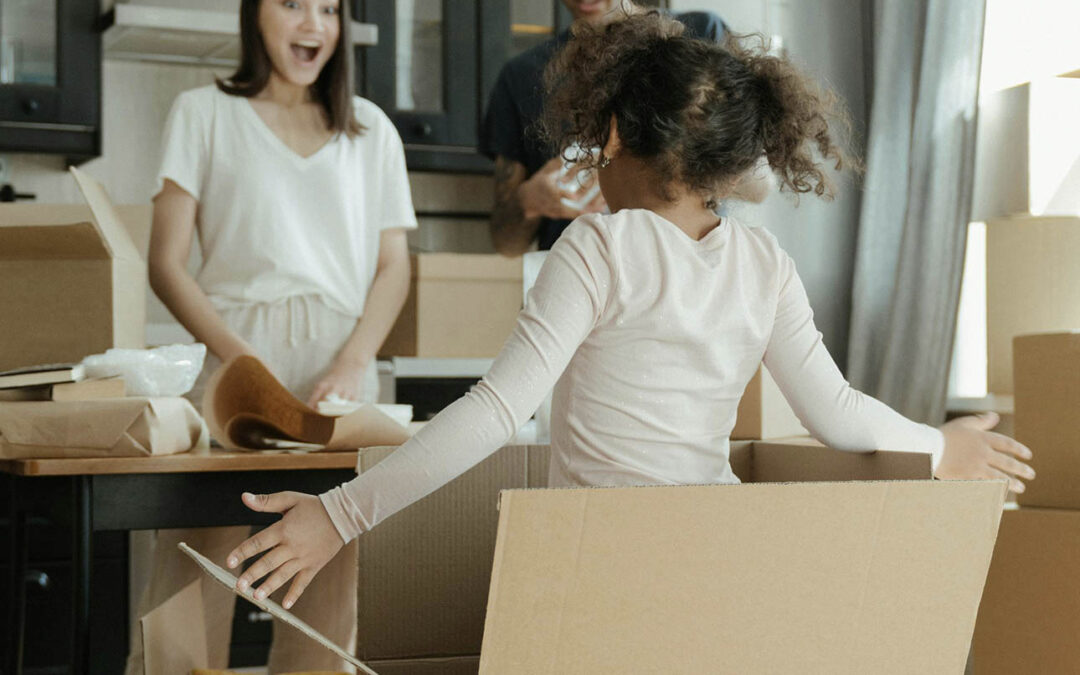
(917, 200)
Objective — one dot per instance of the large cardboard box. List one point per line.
(1032, 286)
(1027, 159)
(1048, 417)
(425, 573)
(1029, 619)
(852, 577)
(763, 411)
(459, 305)
(72, 281)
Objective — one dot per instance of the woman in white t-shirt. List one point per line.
(650, 321)
(299, 195)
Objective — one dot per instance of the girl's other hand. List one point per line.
(300, 544)
(343, 379)
(972, 451)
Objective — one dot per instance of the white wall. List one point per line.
(825, 38)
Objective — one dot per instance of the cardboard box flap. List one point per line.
(880, 577)
(467, 266)
(108, 222)
(76, 241)
(775, 462)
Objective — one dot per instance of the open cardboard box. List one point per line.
(424, 574)
(871, 570)
(74, 282)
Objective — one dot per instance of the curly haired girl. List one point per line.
(649, 322)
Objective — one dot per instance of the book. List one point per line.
(85, 390)
(55, 373)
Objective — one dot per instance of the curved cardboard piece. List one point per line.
(244, 404)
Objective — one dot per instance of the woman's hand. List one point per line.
(300, 544)
(973, 451)
(345, 378)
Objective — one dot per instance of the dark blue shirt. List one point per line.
(510, 122)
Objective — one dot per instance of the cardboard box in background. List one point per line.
(841, 578)
(73, 285)
(1032, 286)
(1047, 400)
(459, 305)
(425, 572)
(763, 411)
(1028, 149)
(1029, 619)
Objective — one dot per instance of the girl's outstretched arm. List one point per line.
(569, 297)
(847, 419)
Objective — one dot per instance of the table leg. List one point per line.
(17, 583)
(82, 562)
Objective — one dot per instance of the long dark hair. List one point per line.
(333, 88)
(699, 112)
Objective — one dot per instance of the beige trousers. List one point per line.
(298, 340)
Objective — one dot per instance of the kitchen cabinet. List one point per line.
(436, 64)
(50, 77)
(431, 71)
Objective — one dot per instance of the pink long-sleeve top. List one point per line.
(649, 338)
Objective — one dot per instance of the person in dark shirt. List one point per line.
(529, 205)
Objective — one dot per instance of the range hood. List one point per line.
(199, 37)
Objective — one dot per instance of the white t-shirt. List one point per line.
(652, 338)
(273, 224)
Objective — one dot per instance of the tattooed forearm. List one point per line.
(511, 231)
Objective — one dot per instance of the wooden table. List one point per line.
(137, 493)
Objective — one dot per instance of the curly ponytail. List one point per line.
(700, 113)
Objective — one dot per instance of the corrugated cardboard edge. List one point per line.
(274, 609)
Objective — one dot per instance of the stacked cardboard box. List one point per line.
(425, 573)
(1027, 191)
(459, 305)
(1030, 613)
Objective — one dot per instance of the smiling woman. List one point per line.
(298, 192)
(299, 40)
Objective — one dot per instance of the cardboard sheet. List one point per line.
(854, 578)
(275, 610)
(115, 427)
(245, 404)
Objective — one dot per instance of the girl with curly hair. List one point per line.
(649, 322)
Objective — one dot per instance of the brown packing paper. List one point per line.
(244, 402)
(118, 427)
(174, 643)
(227, 580)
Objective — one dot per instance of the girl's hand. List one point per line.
(299, 544)
(973, 451)
(344, 379)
